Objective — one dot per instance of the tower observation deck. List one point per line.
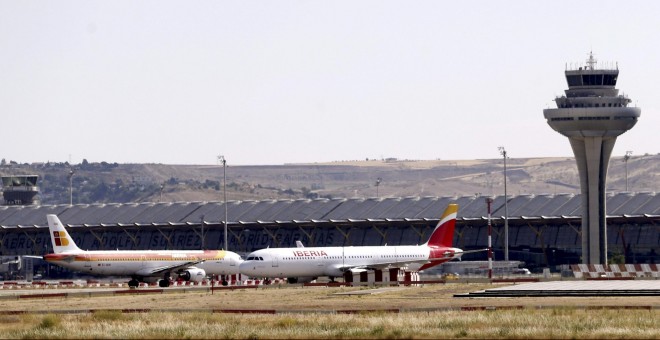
(20, 189)
(592, 114)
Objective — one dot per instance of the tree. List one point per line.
(100, 193)
(617, 258)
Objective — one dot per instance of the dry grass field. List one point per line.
(518, 324)
(310, 299)
(430, 311)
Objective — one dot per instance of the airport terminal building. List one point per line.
(544, 230)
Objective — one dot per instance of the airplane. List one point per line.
(305, 264)
(140, 265)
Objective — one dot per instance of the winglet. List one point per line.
(443, 234)
(62, 242)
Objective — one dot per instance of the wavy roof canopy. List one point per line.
(559, 206)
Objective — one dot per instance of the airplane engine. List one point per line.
(193, 274)
(300, 279)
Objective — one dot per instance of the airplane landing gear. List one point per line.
(223, 280)
(133, 283)
(164, 283)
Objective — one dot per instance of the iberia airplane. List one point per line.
(304, 264)
(140, 265)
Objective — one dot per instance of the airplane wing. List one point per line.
(170, 268)
(379, 266)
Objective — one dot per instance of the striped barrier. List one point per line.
(330, 311)
(616, 271)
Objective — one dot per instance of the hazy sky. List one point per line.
(273, 82)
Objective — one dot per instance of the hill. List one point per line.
(122, 183)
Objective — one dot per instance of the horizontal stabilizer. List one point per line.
(458, 254)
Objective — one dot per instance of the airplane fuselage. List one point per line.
(334, 261)
(303, 264)
(140, 263)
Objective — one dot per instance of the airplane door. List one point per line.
(87, 264)
(343, 257)
(275, 260)
(320, 261)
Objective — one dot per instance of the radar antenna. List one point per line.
(591, 62)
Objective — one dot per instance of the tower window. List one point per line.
(574, 80)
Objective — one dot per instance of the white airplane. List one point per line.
(140, 265)
(304, 264)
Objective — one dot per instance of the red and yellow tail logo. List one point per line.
(60, 238)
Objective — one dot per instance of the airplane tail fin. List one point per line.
(443, 234)
(61, 240)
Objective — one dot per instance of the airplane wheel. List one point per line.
(164, 283)
(133, 283)
(266, 282)
(225, 283)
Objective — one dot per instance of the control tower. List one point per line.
(20, 189)
(592, 115)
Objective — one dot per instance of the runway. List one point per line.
(316, 299)
(573, 289)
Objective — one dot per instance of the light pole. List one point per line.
(506, 208)
(625, 159)
(224, 189)
(489, 201)
(378, 180)
(161, 192)
(71, 172)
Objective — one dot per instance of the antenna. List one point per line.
(591, 62)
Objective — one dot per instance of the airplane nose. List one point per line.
(246, 267)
